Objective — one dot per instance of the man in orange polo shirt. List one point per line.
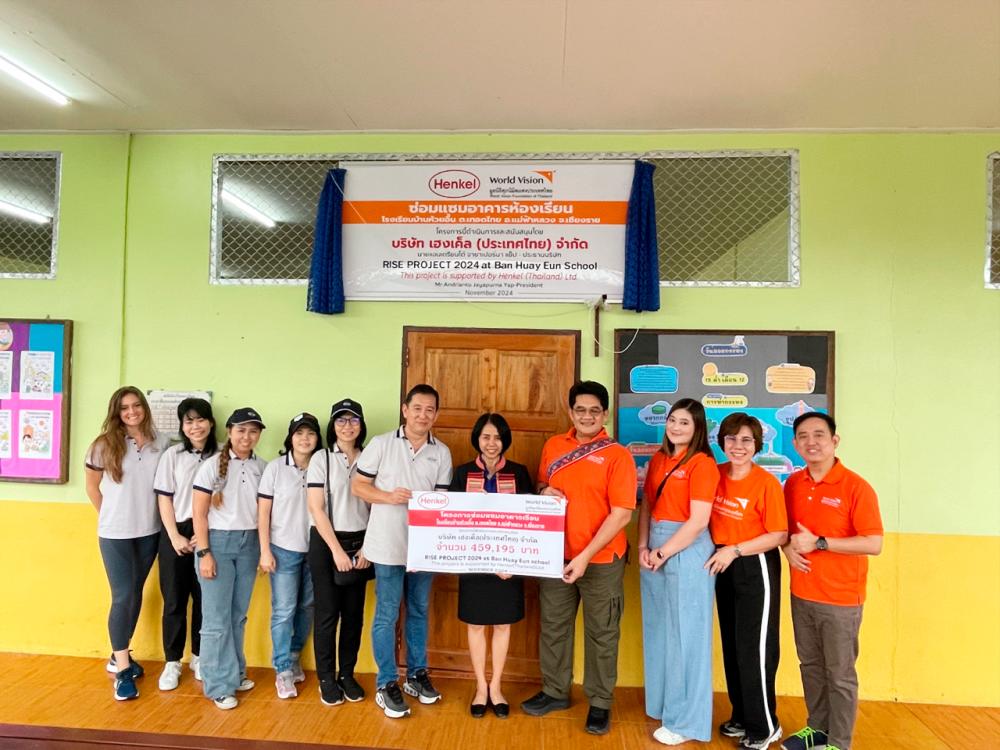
(834, 514)
(597, 476)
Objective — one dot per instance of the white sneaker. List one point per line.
(195, 668)
(226, 702)
(285, 685)
(170, 677)
(297, 674)
(762, 744)
(666, 737)
(245, 684)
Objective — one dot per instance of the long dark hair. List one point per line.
(699, 440)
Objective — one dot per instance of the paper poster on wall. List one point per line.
(35, 366)
(37, 375)
(6, 374)
(772, 375)
(163, 406)
(485, 230)
(34, 434)
(6, 437)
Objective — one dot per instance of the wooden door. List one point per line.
(525, 376)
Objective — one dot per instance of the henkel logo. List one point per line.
(433, 501)
(453, 183)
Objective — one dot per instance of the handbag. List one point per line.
(350, 541)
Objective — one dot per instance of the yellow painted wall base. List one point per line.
(930, 632)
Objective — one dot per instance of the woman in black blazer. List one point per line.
(496, 600)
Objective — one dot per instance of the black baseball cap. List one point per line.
(305, 419)
(244, 416)
(349, 406)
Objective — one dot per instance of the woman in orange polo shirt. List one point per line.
(748, 525)
(674, 544)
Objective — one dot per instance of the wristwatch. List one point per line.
(202, 552)
(737, 550)
(821, 543)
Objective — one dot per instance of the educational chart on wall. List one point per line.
(500, 231)
(772, 375)
(34, 399)
(163, 406)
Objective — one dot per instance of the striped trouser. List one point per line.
(748, 595)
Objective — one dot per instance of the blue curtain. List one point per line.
(642, 256)
(326, 274)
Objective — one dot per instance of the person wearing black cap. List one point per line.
(339, 569)
(178, 581)
(283, 525)
(227, 551)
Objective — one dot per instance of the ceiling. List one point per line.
(362, 65)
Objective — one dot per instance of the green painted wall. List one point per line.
(87, 288)
(892, 231)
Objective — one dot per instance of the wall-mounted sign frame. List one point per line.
(35, 368)
(772, 375)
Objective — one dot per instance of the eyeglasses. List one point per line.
(745, 440)
(345, 421)
(582, 412)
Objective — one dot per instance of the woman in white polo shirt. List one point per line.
(340, 572)
(120, 466)
(227, 550)
(178, 580)
(283, 524)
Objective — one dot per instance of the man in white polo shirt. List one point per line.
(391, 468)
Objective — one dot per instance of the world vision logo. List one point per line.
(548, 174)
(743, 501)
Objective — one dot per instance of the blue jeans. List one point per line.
(677, 635)
(291, 606)
(391, 583)
(224, 603)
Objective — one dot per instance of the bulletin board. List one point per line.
(35, 365)
(772, 375)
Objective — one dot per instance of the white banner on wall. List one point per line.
(485, 230)
(478, 532)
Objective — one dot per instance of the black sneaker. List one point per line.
(353, 692)
(541, 703)
(598, 720)
(419, 686)
(136, 667)
(329, 692)
(732, 729)
(125, 689)
(390, 699)
(806, 738)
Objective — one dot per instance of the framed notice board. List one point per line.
(35, 359)
(772, 375)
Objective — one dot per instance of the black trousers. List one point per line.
(748, 595)
(178, 583)
(333, 604)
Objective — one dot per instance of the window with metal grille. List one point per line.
(992, 272)
(29, 214)
(263, 217)
(727, 218)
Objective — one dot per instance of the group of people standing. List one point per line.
(324, 521)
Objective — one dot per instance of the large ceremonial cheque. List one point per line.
(478, 532)
(485, 230)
